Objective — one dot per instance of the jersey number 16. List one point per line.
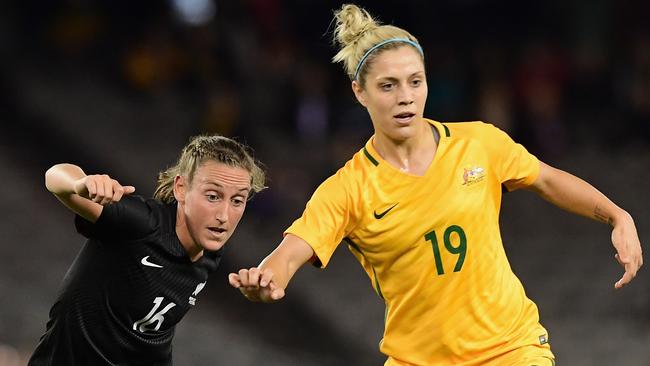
(147, 323)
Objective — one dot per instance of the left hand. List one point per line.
(102, 189)
(628, 249)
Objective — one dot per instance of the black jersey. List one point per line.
(127, 289)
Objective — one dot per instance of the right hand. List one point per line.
(101, 189)
(628, 249)
(256, 284)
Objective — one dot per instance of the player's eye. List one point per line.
(238, 202)
(386, 86)
(416, 82)
(212, 197)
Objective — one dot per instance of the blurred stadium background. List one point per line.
(119, 86)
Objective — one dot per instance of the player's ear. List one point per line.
(179, 188)
(359, 93)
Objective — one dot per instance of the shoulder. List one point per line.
(161, 215)
(346, 184)
(149, 216)
(485, 135)
(132, 217)
(133, 205)
(355, 171)
(471, 129)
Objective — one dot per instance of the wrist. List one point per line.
(621, 216)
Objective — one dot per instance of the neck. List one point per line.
(412, 155)
(194, 251)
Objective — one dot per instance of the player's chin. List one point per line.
(213, 244)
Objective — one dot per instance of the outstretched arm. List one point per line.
(268, 281)
(85, 195)
(575, 195)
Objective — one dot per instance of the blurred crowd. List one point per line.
(548, 72)
(554, 75)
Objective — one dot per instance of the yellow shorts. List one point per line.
(524, 356)
(536, 361)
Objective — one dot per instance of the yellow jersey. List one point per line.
(432, 248)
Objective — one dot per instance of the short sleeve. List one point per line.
(131, 218)
(326, 219)
(514, 166)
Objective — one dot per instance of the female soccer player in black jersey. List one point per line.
(146, 260)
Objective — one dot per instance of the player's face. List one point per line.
(212, 204)
(395, 92)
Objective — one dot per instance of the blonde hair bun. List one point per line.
(356, 32)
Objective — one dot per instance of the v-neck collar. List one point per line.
(376, 159)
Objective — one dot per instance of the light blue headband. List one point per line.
(365, 55)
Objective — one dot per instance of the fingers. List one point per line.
(234, 281)
(117, 194)
(118, 191)
(90, 186)
(250, 278)
(618, 258)
(277, 293)
(265, 279)
(631, 268)
(96, 186)
(103, 190)
(256, 284)
(627, 277)
(629, 253)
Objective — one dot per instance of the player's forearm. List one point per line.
(292, 253)
(575, 195)
(60, 179)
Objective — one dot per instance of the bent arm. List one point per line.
(575, 195)
(63, 181)
(82, 194)
(285, 260)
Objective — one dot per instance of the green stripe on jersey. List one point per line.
(372, 160)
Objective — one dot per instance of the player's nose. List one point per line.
(221, 212)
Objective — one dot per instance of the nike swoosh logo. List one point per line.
(146, 262)
(380, 215)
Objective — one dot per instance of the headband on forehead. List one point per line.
(392, 40)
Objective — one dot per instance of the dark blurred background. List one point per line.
(118, 87)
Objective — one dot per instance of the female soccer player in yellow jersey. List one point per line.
(418, 206)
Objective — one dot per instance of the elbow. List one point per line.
(545, 182)
(57, 178)
(49, 178)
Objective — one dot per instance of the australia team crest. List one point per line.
(473, 174)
